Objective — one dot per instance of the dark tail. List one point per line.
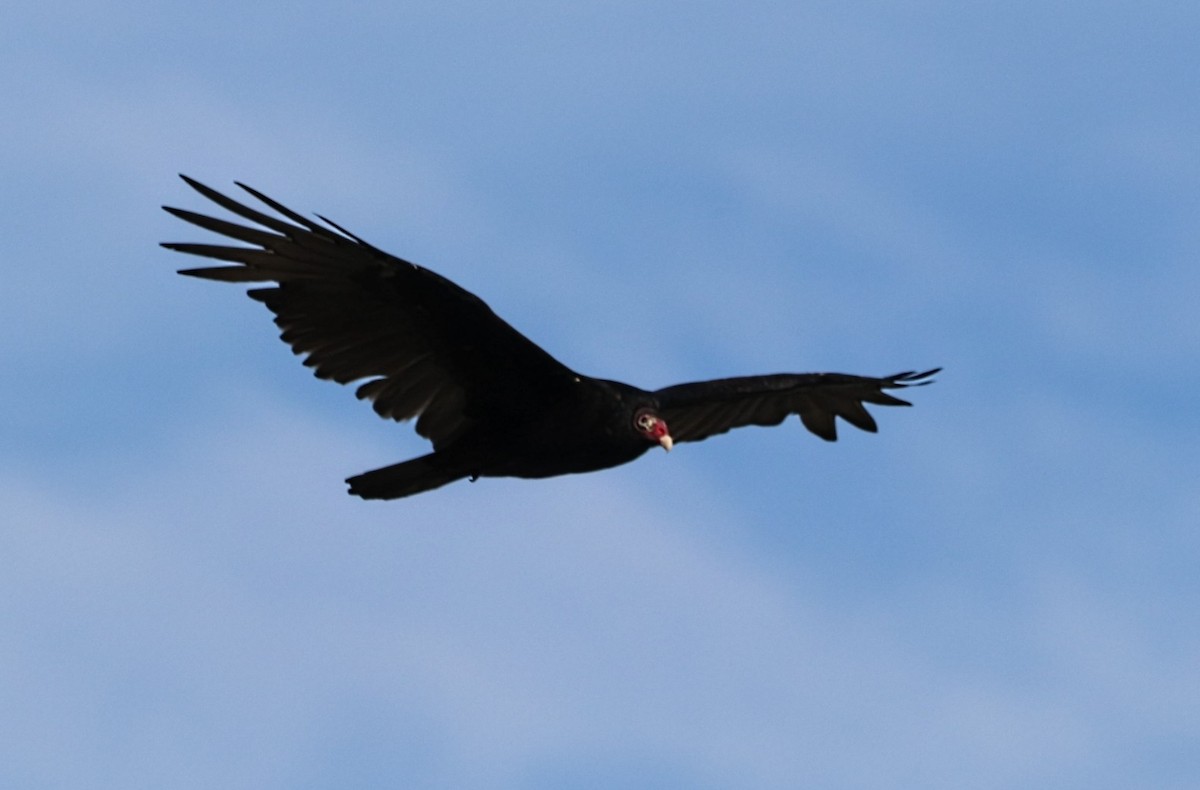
(405, 478)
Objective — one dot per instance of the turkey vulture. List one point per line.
(492, 402)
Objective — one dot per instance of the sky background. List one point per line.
(999, 590)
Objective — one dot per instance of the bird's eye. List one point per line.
(645, 421)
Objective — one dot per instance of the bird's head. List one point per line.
(647, 423)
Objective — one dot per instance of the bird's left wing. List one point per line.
(429, 349)
(705, 408)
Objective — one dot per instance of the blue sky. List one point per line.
(999, 590)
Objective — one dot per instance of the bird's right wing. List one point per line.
(705, 408)
(428, 348)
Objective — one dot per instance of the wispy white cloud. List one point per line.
(997, 590)
(588, 616)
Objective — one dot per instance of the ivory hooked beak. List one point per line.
(666, 441)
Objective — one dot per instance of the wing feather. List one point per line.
(430, 349)
(702, 409)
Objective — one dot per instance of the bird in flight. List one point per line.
(492, 402)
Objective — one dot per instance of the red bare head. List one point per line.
(653, 427)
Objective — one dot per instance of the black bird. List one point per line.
(493, 403)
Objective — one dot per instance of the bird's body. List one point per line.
(585, 431)
(492, 402)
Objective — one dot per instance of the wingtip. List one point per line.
(242, 185)
(911, 378)
(203, 189)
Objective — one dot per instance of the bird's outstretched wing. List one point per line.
(705, 408)
(428, 348)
